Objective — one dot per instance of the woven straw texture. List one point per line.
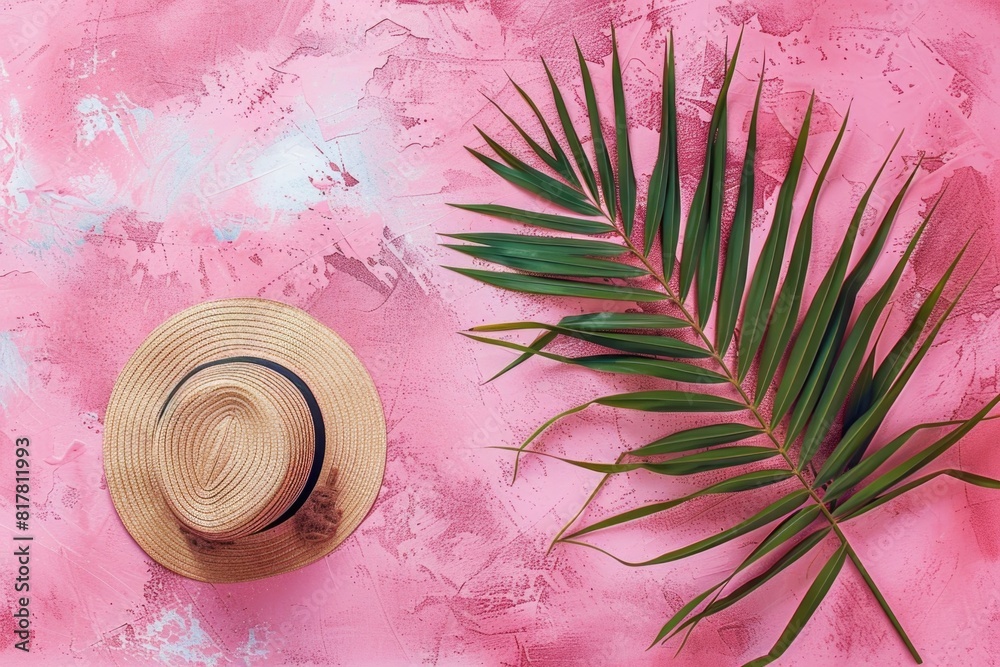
(197, 479)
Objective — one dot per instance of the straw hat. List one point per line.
(243, 439)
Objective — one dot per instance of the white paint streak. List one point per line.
(13, 368)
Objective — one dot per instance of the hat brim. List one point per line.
(352, 413)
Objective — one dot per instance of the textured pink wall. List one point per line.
(156, 154)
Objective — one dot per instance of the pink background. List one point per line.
(154, 155)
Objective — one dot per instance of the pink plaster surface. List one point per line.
(154, 155)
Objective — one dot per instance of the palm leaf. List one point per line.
(824, 372)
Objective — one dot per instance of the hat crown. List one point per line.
(234, 444)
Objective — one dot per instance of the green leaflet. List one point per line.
(844, 370)
(593, 494)
(869, 464)
(626, 174)
(562, 162)
(538, 183)
(790, 527)
(838, 381)
(658, 368)
(911, 465)
(817, 591)
(683, 613)
(647, 401)
(544, 245)
(744, 482)
(560, 223)
(708, 258)
(572, 138)
(609, 363)
(670, 222)
(617, 321)
(794, 525)
(558, 287)
(845, 301)
(695, 438)
(713, 459)
(691, 464)
(545, 156)
(803, 357)
(883, 604)
(537, 345)
(828, 340)
(857, 277)
(734, 275)
(516, 163)
(657, 208)
(757, 309)
(531, 259)
(597, 133)
(860, 397)
(670, 401)
(701, 216)
(894, 361)
(788, 558)
(772, 512)
(635, 343)
(786, 309)
(860, 432)
(961, 475)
